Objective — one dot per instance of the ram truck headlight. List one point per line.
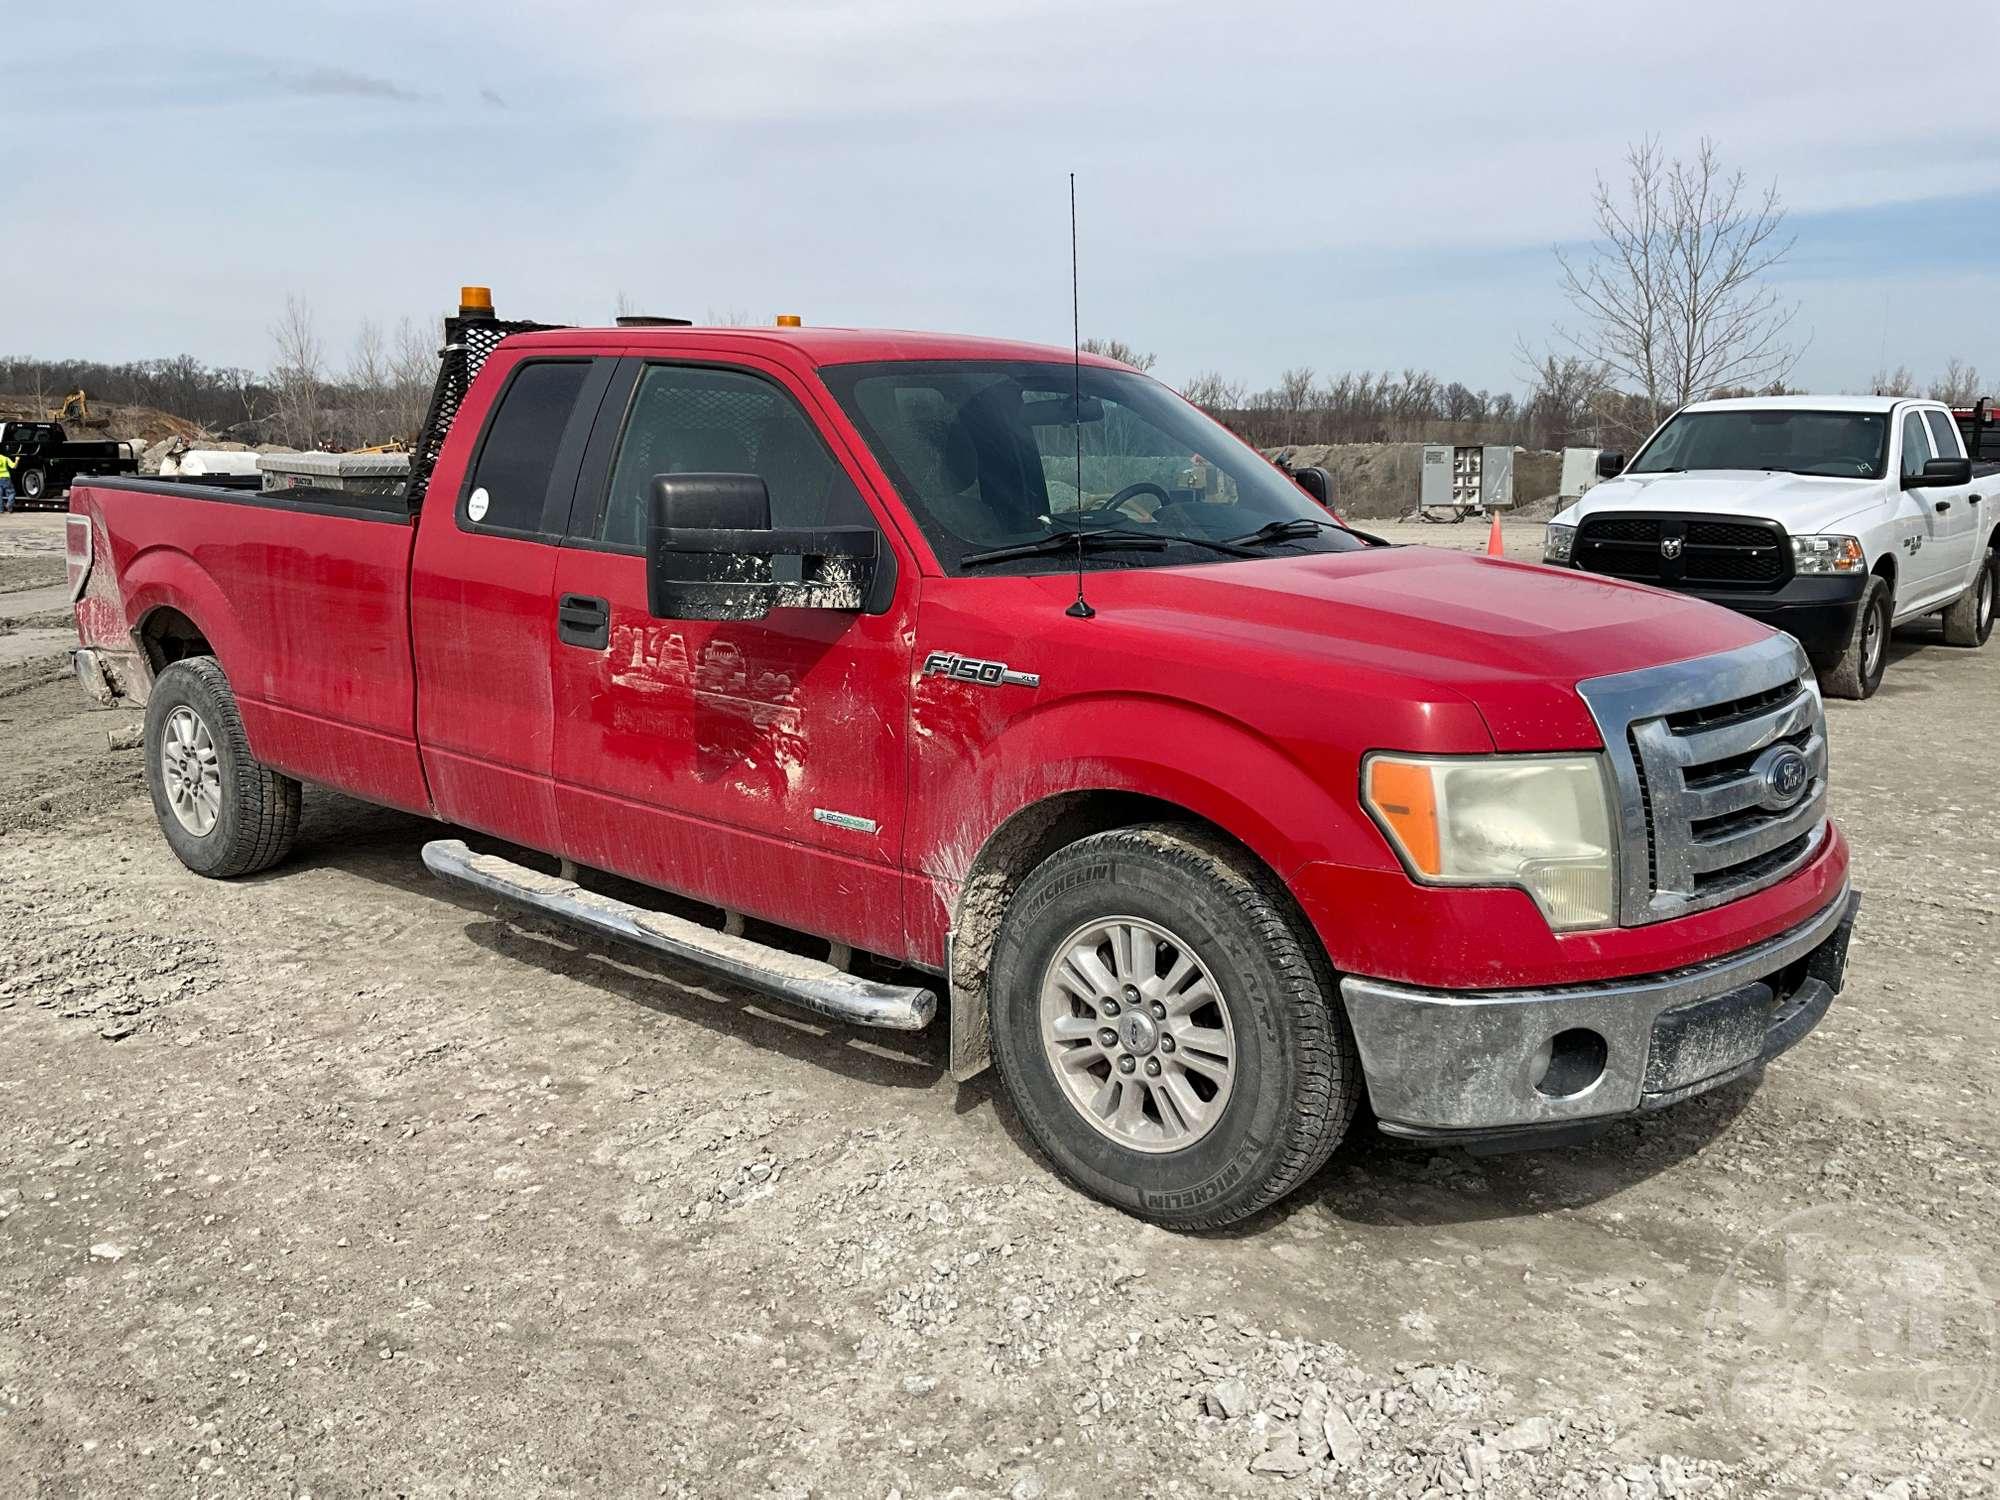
(1539, 822)
(1558, 542)
(1828, 554)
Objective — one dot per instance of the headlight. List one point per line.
(1557, 543)
(1540, 822)
(1828, 554)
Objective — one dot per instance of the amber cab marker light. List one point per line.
(1406, 797)
(790, 320)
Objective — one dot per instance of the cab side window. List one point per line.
(509, 485)
(1944, 434)
(1916, 444)
(686, 419)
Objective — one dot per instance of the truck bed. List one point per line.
(303, 597)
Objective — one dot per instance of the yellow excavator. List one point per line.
(76, 404)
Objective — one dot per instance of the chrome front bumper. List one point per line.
(1454, 1066)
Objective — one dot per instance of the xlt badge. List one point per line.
(971, 669)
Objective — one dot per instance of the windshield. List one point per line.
(1838, 444)
(984, 453)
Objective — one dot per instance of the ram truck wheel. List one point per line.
(1857, 671)
(223, 813)
(1969, 621)
(1167, 1026)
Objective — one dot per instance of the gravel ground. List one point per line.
(335, 1181)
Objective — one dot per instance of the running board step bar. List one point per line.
(805, 982)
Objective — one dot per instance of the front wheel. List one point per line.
(1857, 672)
(1166, 1027)
(223, 813)
(1969, 621)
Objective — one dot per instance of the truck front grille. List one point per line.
(1696, 751)
(1686, 551)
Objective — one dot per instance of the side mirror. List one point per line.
(1610, 465)
(1317, 483)
(712, 554)
(1939, 472)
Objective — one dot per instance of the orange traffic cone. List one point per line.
(1494, 546)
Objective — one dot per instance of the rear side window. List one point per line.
(510, 480)
(1944, 434)
(688, 419)
(1916, 444)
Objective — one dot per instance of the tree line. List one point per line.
(377, 393)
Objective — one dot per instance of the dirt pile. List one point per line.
(139, 424)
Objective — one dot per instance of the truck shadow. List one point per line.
(381, 846)
(1370, 1181)
(1375, 1181)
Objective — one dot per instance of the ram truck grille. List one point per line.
(1704, 758)
(1686, 551)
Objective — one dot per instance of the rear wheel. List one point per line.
(1167, 1029)
(222, 812)
(1857, 672)
(34, 484)
(1969, 621)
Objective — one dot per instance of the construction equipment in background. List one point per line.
(75, 405)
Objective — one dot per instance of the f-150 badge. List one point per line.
(985, 673)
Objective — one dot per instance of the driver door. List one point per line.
(756, 765)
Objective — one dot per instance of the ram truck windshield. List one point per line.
(985, 454)
(1836, 444)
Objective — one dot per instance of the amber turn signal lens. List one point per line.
(1406, 797)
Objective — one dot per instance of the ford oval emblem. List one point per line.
(1786, 775)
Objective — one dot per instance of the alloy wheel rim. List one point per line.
(1138, 1034)
(191, 772)
(1985, 598)
(1871, 642)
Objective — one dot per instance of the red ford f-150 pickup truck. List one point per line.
(1208, 815)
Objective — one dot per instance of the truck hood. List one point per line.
(1803, 504)
(1424, 623)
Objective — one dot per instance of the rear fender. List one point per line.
(167, 578)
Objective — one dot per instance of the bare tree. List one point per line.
(413, 365)
(1897, 382)
(1213, 394)
(1121, 351)
(299, 375)
(1564, 396)
(1958, 386)
(1672, 292)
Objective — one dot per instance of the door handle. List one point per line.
(1943, 506)
(583, 621)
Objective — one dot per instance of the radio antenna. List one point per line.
(1080, 609)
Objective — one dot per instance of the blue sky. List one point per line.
(1262, 184)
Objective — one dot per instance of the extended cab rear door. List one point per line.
(757, 765)
(1961, 527)
(482, 602)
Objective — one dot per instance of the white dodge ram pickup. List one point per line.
(1833, 518)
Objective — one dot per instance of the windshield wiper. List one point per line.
(1103, 538)
(1298, 528)
(1098, 539)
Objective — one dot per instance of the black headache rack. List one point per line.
(1981, 429)
(469, 338)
